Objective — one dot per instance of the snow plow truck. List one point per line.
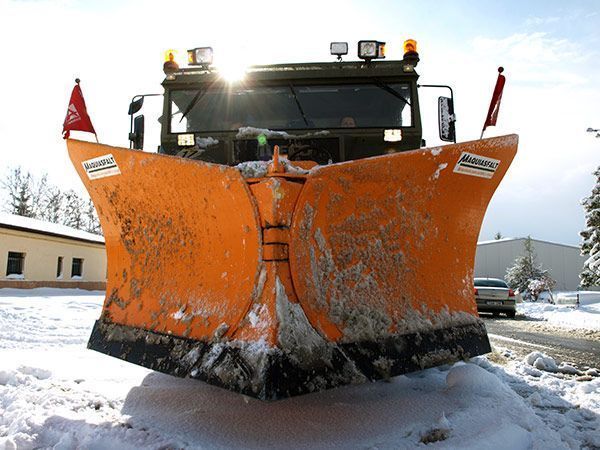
(292, 233)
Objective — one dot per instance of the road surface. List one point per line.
(524, 335)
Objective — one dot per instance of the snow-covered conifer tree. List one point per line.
(590, 246)
(18, 187)
(526, 269)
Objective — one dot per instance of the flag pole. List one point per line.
(77, 80)
(492, 115)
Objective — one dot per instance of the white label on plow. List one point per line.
(100, 167)
(475, 165)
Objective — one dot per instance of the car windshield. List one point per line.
(294, 107)
(490, 282)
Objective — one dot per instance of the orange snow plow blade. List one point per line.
(292, 281)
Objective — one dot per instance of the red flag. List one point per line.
(492, 114)
(77, 117)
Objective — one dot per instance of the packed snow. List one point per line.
(574, 310)
(54, 393)
(205, 142)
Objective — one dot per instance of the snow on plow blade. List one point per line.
(292, 283)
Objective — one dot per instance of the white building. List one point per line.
(563, 262)
(34, 253)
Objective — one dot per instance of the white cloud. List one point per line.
(538, 21)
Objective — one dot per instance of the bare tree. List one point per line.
(92, 222)
(34, 197)
(39, 188)
(74, 210)
(53, 205)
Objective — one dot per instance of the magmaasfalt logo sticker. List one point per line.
(100, 167)
(475, 165)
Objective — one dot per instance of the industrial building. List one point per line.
(34, 253)
(563, 262)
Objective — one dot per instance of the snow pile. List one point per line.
(252, 132)
(567, 403)
(565, 313)
(543, 362)
(56, 394)
(204, 142)
(258, 169)
(571, 298)
(460, 407)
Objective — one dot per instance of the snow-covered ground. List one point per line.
(565, 312)
(56, 394)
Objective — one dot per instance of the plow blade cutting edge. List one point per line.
(290, 283)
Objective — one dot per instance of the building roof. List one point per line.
(13, 222)
(498, 241)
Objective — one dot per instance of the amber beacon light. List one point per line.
(410, 46)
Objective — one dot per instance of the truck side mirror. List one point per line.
(137, 137)
(446, 119)
(135, 106)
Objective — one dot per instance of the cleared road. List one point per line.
(522, 336)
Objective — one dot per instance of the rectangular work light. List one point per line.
(201, 56)
(369, 50)
(338, 48)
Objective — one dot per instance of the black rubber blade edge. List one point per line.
(268, 373)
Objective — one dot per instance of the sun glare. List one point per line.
(232, 70)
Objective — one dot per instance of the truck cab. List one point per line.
(322, 112)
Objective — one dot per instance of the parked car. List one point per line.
(494, 296)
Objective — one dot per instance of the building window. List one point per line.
(59, 267)
(77, 267)
(16, 262)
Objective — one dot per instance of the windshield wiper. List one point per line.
(299, 105)
(193, 103)
(391, 90)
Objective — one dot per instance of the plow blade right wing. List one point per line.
(387, 245)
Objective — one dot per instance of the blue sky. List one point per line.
(551, 52)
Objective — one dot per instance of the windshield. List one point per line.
(490, 282)
(292, 107)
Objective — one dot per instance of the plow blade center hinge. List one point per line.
(276, 200)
